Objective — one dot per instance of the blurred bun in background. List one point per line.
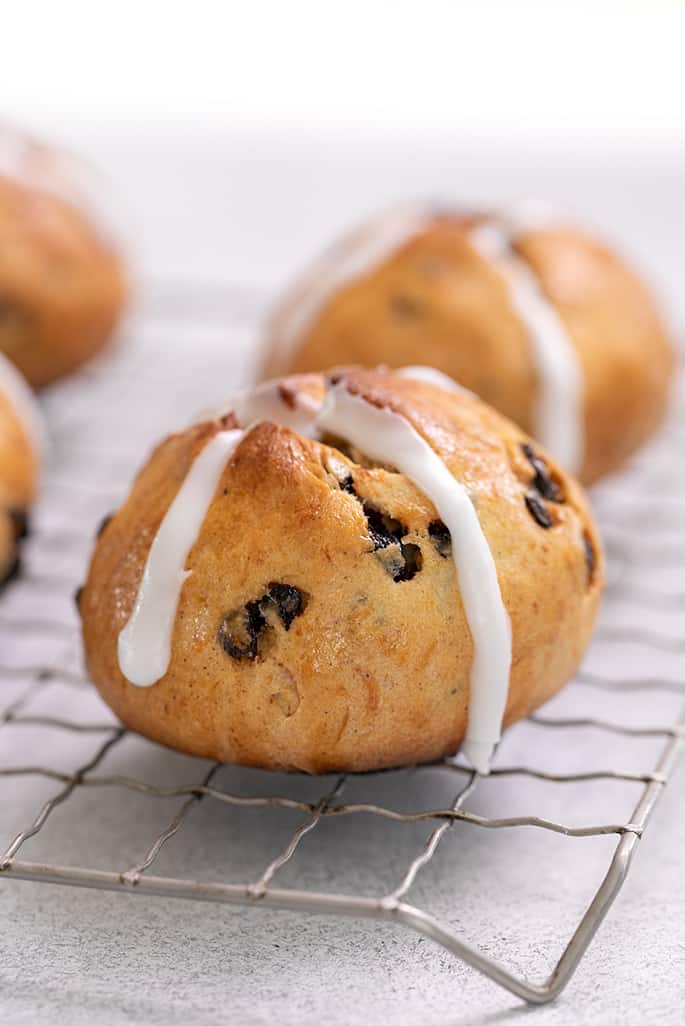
(538, 318)
(62, 286)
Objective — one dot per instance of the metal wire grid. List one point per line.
(97, 447)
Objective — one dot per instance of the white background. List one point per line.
(239, 137)
(604, 72)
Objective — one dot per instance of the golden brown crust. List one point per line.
(625, 354)
(436, 301)
(18, 481)
(62, 287)
(7, 546)
(18, 459)
(370, 671)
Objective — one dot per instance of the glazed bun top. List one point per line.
(303, 448)
(534, 315)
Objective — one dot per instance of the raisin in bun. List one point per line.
(539, 319)
(61, 281)
(21, 448)
(277, 592)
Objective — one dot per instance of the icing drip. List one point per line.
(390, 438)
(352, 258)
(145, 642)
(17, 390)
(558, 414)
(432, 376)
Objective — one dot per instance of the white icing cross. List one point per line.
(558, 414)
(145, 641)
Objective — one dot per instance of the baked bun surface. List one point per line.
(21, 444)
(543, 322)
(321, 624)
(62, 286)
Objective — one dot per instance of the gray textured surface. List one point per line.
(79, 956)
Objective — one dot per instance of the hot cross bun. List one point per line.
(538, 318)
(62, 284)
(348, 573)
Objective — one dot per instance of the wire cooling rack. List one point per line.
(608, 743)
